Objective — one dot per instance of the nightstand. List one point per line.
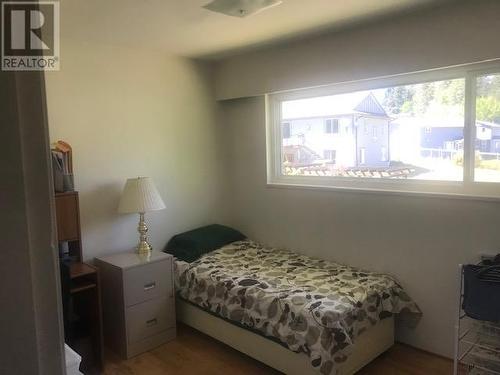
(138, 301)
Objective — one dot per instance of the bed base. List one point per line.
(368, 346)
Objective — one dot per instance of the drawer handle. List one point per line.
(151, 322)
(150, 286)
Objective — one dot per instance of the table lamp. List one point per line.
(140, 196)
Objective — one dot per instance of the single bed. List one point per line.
(295, 313)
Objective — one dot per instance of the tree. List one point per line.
(451, 92)
(424, 94)
(441, 98)
(488, 109)
(398, 99)
(489, 86)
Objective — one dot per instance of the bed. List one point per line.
(369, 345)
(298, 314)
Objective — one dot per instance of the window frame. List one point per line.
(467, 188)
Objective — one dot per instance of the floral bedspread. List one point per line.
(310, 305)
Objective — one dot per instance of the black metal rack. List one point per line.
(477, 342)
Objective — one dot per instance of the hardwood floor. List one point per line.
(195, 353)
(404, 360)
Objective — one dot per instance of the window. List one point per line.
(434, 132)
(362, 156)
(286, 130)
(332, 126)
(330, 155)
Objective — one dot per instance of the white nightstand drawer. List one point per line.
(150, 342)
(138, 301)
(149, 318)
(147, 282)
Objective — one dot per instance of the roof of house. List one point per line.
(488, 124)
(371, 105)
(333, 106)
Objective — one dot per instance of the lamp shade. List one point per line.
(140, 195)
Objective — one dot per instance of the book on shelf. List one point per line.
(62, 166)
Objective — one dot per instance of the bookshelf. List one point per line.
(83, 315)
(68, 223)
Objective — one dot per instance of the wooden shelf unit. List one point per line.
(84, 287)
(83, 276)
(68, 222)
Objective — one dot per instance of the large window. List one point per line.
(436, 132)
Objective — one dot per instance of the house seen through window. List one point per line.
(410, 130)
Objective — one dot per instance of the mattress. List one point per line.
(309, 305)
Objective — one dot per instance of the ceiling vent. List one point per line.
(240, 8)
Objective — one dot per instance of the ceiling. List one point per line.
(183, 27)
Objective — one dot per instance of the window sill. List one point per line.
(384, 191)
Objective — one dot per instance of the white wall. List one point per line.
(129, 113)
(456, 33)
(419, 240)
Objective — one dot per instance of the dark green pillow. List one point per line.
(189, 246)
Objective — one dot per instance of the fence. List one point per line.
(439, 153)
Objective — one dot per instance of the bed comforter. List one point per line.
(310, 305)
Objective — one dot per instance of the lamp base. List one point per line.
(143, 247)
